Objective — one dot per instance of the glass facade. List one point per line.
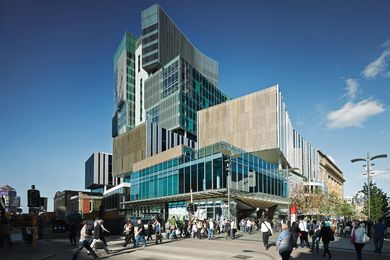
(124, 86)
(206, 170)
(162, 41)
(177, 93)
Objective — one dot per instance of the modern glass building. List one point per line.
(204, 173)
(123, 118)
(186, 130)
(175, 93)
(162, 41)
(98, 172)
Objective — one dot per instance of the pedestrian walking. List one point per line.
(194, 229)
(266, 231)
(103, 237)
(304, 232)
(72, 233)
(357, 238)
(227, 229)
(379, 235)
(98, 237)
(327, 235)
(315, 239)
(210, 231)
(157, 230)
(128, 230)
(285, 243)
(150, 231)
(140, 234)
(233, 228)
(199, 228)
(84, 240)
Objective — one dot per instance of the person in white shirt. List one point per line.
(210, 231)
(248, 226)
(357, 238)
(266, 231)
(234, 229)
(304, 232)
(84, 240)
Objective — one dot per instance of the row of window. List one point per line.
(172, 178)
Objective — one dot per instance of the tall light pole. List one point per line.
(229, 169)
(368, 172)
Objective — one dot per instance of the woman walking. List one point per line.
(84, 240)
(357, 238)
(285, 243)
(129, 233)
(327, 235)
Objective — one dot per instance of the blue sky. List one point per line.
(330, 58)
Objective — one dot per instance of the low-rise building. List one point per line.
(11, 200)
(62, 199)
(331, 175)
(84, 203)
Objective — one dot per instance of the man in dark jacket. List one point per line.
(98, 237)
(327, 235)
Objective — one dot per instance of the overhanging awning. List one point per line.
(255, 200)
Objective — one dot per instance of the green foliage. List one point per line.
(378, 201)
(332, 204)
(346, 210)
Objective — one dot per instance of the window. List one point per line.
(139, 63)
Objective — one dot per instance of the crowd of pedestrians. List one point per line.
(303, 233)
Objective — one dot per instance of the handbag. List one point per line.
(269, 231)
(331, 236)
(353, 237)
(365, 239)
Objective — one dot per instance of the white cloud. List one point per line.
(382, 174)
(386, 43)
(354, 114)
(378, 66)
(351, 88)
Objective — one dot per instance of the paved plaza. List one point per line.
(244, 247)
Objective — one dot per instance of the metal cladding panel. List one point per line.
(152, 90)
(172, 42)
(159, 31)
(169, 110)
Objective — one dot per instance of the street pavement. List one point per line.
(244, 247)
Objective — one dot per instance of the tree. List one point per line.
(308, 202)
(332, 204)
(346, 210)
(378, 201)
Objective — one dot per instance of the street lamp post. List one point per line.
(229, 170)
(368, 173)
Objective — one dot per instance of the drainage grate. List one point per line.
(242, 256)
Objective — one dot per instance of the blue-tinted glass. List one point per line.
(194, 178)
(201, 184)
(208, 175)
(217, 170)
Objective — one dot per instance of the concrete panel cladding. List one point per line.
(248, 122)
(128, 149)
